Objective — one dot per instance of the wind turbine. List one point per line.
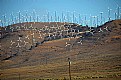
(18, 44)
(67, 44)
(1, 23)
(25, 43)
(120, 15)
(27, 37)
(67, 16)
(94, 22)
(19, 14)
(59, 20)
(100, 30)
(62, 17)
(106, 28)
(55, 16)
(101, 18)
(118, 12)
(30, 18)
(109, 11)
(48, 16)
(12, 43)
(34, 15)
(26, 17)
(79, 19)
(4, 21)
(85, 19)
(115, 15)
(33, 40)
(80, 42)
(12, 29)
(97, 21)
(4, 16)
(73, 16)
(12, 18)
(51, 19)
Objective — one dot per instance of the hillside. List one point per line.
(41, 51)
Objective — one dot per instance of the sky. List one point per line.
(85, 12)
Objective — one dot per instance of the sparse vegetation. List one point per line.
(96, 57)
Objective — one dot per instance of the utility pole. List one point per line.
(19, 76)
(69, 68)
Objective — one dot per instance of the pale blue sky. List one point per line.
(68, 7)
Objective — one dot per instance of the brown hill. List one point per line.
(96, 56)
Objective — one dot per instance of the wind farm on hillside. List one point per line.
(69, 46)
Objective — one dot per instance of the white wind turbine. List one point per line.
(25, 43)
(94, 21)
(40, 36)
(27, 37)
(115, 15)
(74, 17)
(1, 23)
(80, 42)
(67, 44)
(12, 18)
(18, 42)
(18, 45)
(12, 29)
(109, 12)
(101, 18)
(62, 17)
(100, 30)
(12, 43)
(4, 21)
(26, 16)
(61, 34)
(19, 17)
(34, 15)
(106, 28)
(118, 12)
(80, 19)
(68, 16)
(55, 16)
